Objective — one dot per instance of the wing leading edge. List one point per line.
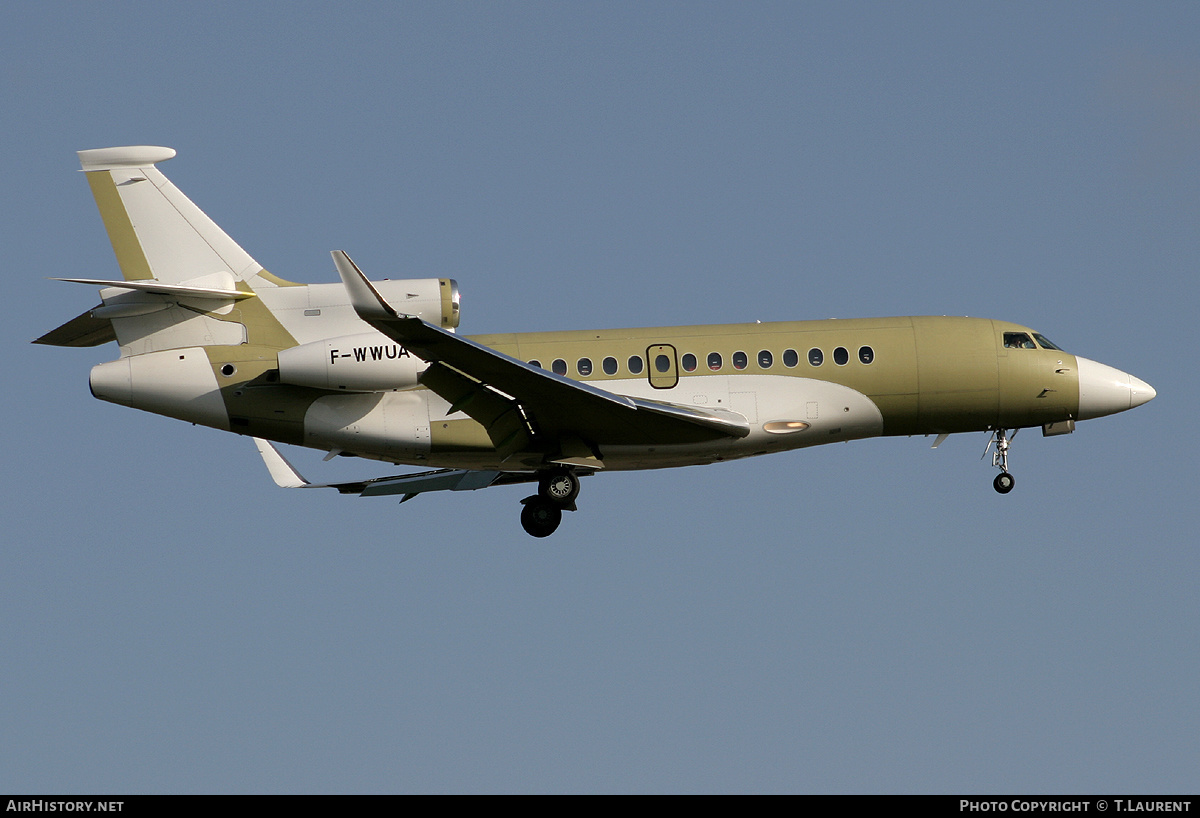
(524, 408)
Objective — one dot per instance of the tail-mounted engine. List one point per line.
(370, 362)
(435, 300)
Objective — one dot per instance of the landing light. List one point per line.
(784, 427)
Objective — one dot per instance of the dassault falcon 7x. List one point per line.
(374, 369)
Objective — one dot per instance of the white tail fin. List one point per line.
(156, 231)
(185, 282)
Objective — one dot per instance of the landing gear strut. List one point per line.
(1004, 481)
(542, 512)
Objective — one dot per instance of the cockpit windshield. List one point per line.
(1021, 340)
(1045, 342)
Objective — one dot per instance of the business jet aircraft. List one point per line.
(374, 369)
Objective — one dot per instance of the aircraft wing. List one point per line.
(410, 485)
(525, 408)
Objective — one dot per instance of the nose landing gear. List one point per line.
(542, 512)
(1004, 481)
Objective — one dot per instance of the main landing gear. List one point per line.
(1004, 481)
(542, 512)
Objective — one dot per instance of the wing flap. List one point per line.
(499, 414)
(441, 480)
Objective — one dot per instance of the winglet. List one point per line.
(367, 301)
(282, 472)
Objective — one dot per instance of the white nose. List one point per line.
(1104, 390)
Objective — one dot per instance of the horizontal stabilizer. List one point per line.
(81, 331)
(159, 288)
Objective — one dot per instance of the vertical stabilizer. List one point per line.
(186, 283)
(157, 232)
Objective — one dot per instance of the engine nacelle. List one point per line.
(370, 362)
(435, 300)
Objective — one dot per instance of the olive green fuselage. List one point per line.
(926, 375)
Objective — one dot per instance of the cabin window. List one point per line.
(790, 358)
(866, 355)
(584, 367)
(739, 360)
(1018, 340)
(816, 357)
(536, 362)
(841, 356)
(689, 362)
(559, 366)
(662, 363)
(765, 359)
(1045, 342)
(714, 361)
(610, 365)
(635, 364)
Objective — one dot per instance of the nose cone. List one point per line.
(1139, 392)
(1104, 390)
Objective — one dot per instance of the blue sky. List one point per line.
(856, 618)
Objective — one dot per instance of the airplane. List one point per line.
(374, 369)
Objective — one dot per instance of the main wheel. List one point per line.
(559, 487)
(540, 518)
(1004, 482)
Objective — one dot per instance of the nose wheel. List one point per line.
(1004, 481)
